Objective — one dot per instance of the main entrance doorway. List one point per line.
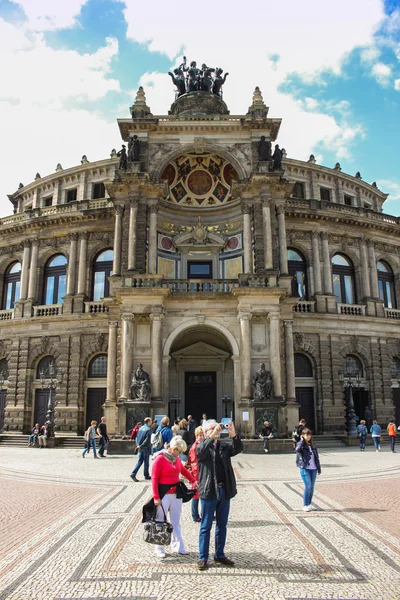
(41, 403)
(305, 398)
(95, 400)
(201, 394)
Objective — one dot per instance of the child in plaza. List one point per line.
(90, 437)
(307, 460)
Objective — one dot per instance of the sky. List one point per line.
(330, 70)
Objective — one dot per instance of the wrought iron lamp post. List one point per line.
(175, 400)
(226, 401)
(350, 377)
(51, 378)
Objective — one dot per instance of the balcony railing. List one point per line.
(357, 310)
(200, 285)
(95, 307)
(6, 315)
(304, 306)
(392, 313)
(47, 310)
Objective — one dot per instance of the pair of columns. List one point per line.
(127, 342)
(274, 353)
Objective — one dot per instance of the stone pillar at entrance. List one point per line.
(156, 361)
(245, 355)
(134, 202)
(126, 354)
(275, 352)
(110, 408)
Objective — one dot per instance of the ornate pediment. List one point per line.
(199, 235)
(200, 350)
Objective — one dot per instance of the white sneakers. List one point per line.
(265, 450)
(160, 552)
(307, 508)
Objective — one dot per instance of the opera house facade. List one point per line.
(201, 254)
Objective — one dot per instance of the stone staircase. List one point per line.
(329, 441)
(21, 441)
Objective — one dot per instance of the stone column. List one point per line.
(327, 263)
(157, 319)
(267, 234)
(134, 202)
(245, 354)
(112, 363)
(82, 264)
(365, 269)
(373, 269)
(283, 261)
(119, 211)
(126, 354)
(316, 263)
(152, 256)
(275, 352)
(248, 260)
(289, 357)
(33, 270)
(25, 271)
(72, 264)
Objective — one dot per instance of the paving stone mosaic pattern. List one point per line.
(71, 529)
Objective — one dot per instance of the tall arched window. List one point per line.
(12, 281)
(386, 284)
(343, 279)
(98, 366)
(302, 365)
(298, 271)
(44, 365)
(353, 365)
(55, 280)
(102, 269)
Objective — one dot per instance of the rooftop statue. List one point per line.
(192, 79)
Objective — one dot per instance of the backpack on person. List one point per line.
(87, 433)
(156, 440)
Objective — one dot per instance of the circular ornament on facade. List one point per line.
(169, 174)
(199, 182)
(166, 243)
(233, 243)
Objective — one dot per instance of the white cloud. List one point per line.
(382, 73)
(370, 55)
(45, 15)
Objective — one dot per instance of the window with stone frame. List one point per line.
(55, 280)
(302, 365)
(325, 194)
(102, 270)
(98, 190)
(48, 201)
(352, 366)
(348, 200)
(386, 284)
(98, 366)
(71, 195)
(298, 270)
(45, 365)
(298, 190)
(11, 289)
(343, 279)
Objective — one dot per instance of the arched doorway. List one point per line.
(200, 373)
(305, 386)
(42, 395)
(96, 386)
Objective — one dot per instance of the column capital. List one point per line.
(133, 200)
(72, 237)
(113, 324)
(244, 316)
(371, 244)
(273, 315)
(153, 209)
(315, 235)
(119, 210)
(157, 316)
(326, 236)
(128, 317)
(26, 244)
(246, 208)
(280, 209)
(84, 235)
(288, 323)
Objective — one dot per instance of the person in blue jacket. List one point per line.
(376, 431)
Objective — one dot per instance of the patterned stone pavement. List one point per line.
(71, 528)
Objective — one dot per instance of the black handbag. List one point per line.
(158, 532)
(183, 492)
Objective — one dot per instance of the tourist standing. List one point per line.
(376, 435)
(217, 485)
(102, 432)
(191, 429)
(135, 430)
(91, 439)
(362, 433)
(307, 460)
(184, 433)
(391, 429)
(143, 447)
(165, 474)
(203, 420)
(266, 435)
(193, 467)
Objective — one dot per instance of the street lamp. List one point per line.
(51, 378)
(350, 377)
(175, 400)
(225, 401)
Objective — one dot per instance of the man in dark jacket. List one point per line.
(217, 485)
(143, 446)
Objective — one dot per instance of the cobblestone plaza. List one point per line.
(72, 529)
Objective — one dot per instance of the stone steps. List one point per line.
(21, 441)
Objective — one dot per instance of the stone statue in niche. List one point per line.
(277, 158)
(134, 149)
(123, 159)
(264, 150)
(140, 386)
(263, 385)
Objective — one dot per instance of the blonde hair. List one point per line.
(179, 443)
(183, 424)
(198, 431)
(93, 422)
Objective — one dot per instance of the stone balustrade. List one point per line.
(351, 309)
(48, 310)
(96, 307)
(392, 313)
(6, 315)
(304, 306)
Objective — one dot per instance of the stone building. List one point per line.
(199, 261)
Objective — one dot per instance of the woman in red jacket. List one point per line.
(193, 467)
(165, 474)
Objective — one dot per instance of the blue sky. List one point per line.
(330, 71)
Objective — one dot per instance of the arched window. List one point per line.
(352, 366)
(102, 269)
(4, 368)
(55, 280)
(386, 284)
(343, 279)
(302, 365)
(44, 365)
(98, 366)
(298, 271)
(12, 281)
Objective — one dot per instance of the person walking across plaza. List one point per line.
(266, 435)
(162, 435)
(193, 467)
(376, 435)
(143, 447)
(362, 433)
(307, 460)
(102, 432)
(217, 486)
(91, 439)
(166, 471)
(391, 429)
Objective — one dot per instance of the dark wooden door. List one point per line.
(41, 403)
(360, 399)
(305, 398)
(201, 394)
(94, 403)
(396, 402)
(2, 408)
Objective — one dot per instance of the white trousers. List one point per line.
(42, 440)
(173, 505)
